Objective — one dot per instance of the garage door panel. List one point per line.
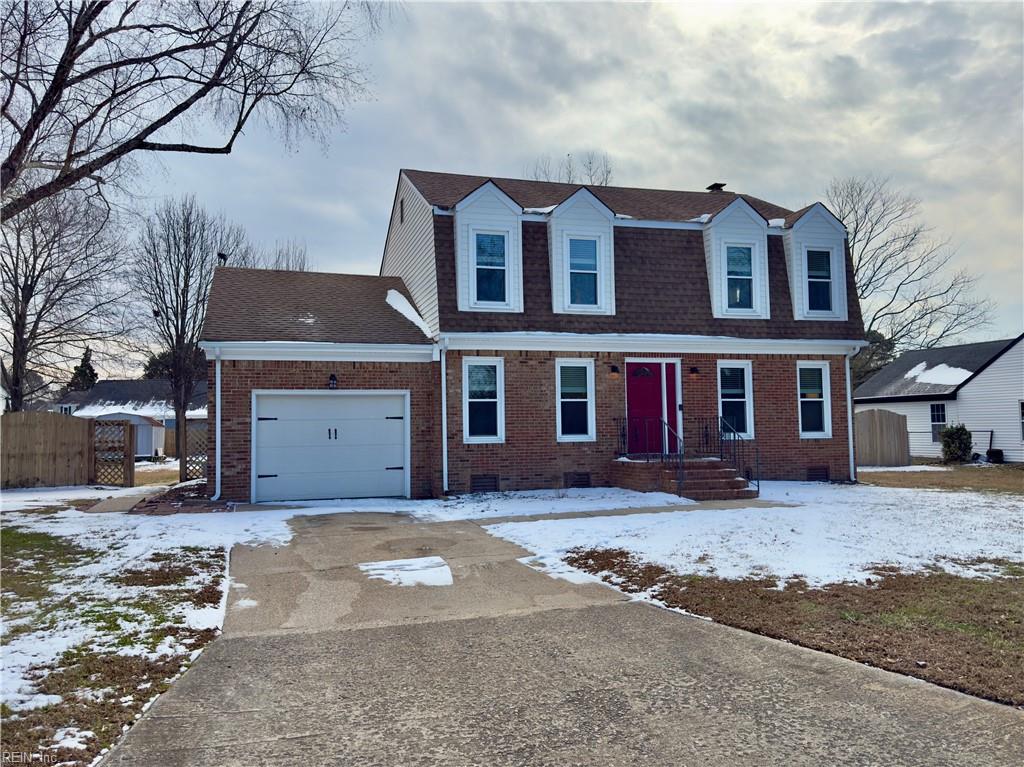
(331, 485)
(340, 445)
(303, 460)
(330, 431)
(330, 405)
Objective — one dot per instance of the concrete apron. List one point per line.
(315, 584)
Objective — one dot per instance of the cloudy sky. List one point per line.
(772, 99)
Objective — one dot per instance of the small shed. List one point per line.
(149, 433)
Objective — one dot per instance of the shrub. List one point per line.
(956, 444)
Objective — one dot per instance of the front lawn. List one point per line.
(929, 584)
(987, 477)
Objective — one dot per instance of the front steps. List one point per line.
(703, 479)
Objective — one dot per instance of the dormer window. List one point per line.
(819, 280)
(583, 271)
(490, 268)
(740, 276)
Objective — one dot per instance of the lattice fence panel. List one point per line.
(195, 463)
(109, 449)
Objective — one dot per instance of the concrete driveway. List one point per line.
(510, 667)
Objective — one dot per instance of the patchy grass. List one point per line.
(134, 619)
(167, 476)
(963, 633)
(1004, 478)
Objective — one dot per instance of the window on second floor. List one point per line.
(490, 267)
(739, 265)
(938, 418)
(819, 280)
(583, 271)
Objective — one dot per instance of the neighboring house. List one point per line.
(149, 433)
(979, 385)
(526, 334)
(147, 398)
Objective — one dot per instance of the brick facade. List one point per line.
(530, 456)
(239, 378)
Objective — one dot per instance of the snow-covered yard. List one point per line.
(835, 533)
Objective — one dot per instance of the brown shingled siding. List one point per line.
(239, 378)
(661, 286)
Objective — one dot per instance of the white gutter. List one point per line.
(216, 430)
(443, 346)
(849, 419)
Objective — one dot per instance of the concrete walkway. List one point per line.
(510, 667)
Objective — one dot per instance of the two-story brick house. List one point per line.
(527, 334)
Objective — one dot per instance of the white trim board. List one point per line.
(320, 351)
(643, 343)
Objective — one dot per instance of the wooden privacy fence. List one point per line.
(882, 438)
(51, 449)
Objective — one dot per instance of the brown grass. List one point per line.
(156, 477)
(963, 633)
(1007, 478)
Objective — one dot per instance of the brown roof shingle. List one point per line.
(277, 305)
(446, 189)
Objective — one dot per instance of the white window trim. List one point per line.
(748, 382)
(755, 310)
(473, 301)
(1020, 412)
(601, 307)
(481, 440)
(826, 396)
(833, 313)
(591, 435)
(931, 423)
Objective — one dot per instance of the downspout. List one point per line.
(216, 430)
(443, 345)
(849, 418)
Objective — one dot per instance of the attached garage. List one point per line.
(330, 444)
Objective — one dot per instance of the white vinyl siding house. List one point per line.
(409, 250)
(581, 237)
(480, 218)
(815, 234)
(736, 251)
(988, 404)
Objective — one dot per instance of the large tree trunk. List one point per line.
(181, 441)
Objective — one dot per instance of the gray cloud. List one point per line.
(773, 100)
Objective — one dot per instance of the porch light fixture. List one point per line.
(332, 382)
(613, 372)
(694, 372)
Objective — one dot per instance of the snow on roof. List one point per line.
(940, 374)
(401, 304)
(541, 211)
(155, 409)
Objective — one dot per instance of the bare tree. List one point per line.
(61, 290)
(175, 263)
(910, 293)
(593, 168)
(290, 255)
(87, 84)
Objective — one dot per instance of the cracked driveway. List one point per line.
(510, 667)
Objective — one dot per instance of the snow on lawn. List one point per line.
(915, 467)
(39, 497)
(511, 504)
(420, 571)
(836, 533)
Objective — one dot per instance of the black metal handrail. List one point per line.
(716, 437)
(649, 438)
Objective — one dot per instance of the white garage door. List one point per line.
(329, 445)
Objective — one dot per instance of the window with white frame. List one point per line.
(583, 271)
(574, 387)
(814, 399)
(739, 277)
(938, 419)
(736, 397)
(483, 399)
(490, 267)
(67, 409)
(819, 280)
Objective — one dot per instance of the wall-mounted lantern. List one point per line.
(332, 382)
(694, 372)
(613, 372)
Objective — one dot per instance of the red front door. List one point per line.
(650, 405)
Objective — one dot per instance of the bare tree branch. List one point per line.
(594, 169)
(910, 295)
(87, 84)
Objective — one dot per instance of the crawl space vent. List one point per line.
(817, 473)
(576, 479)
(483, 483)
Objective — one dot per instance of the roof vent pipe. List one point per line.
(718, 186)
